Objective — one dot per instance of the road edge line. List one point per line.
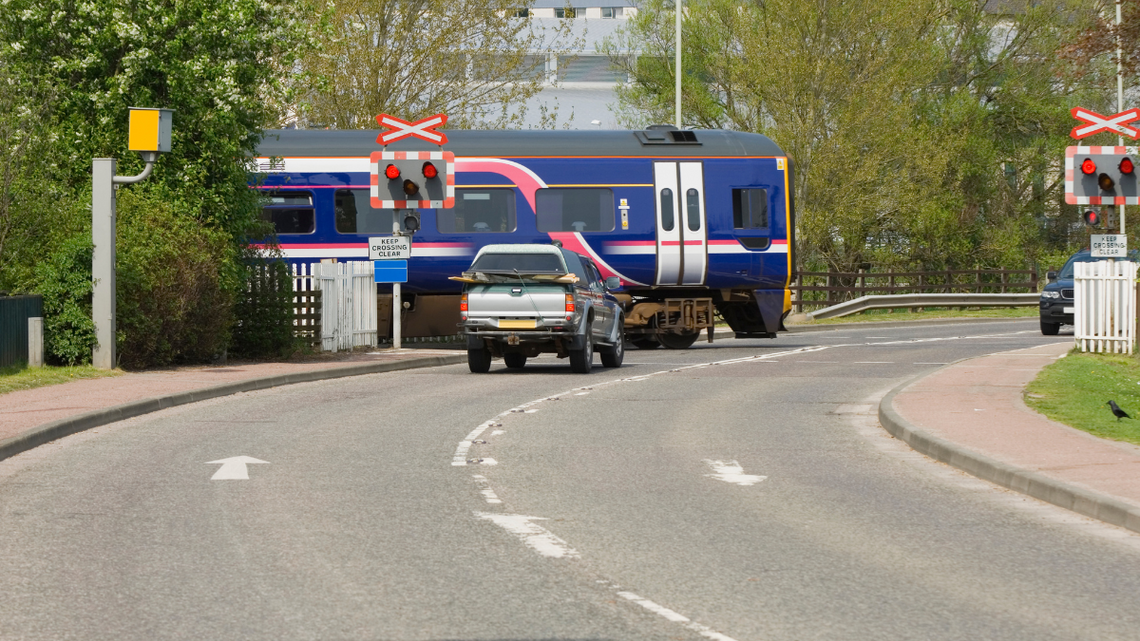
(96, 418)
(1071, 497)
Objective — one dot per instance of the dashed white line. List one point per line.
(675, 617)
(532, 535)
(732, 472)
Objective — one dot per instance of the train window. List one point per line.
(750, 209)
(578, 209)
(291, 212)
(693, 206)
(355, 214)
(667, 209)
(479, 210)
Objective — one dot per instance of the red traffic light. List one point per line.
(430, 171)
(1092, 218)
(1088, 167)
(392, 172)
(1127, 166)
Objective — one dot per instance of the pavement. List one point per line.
(969, 414)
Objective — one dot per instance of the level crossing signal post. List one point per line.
(407, 181)
(149, 135)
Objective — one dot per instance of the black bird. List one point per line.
(1116, 411)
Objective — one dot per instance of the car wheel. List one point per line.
(582, 360)
(479, 360)
(613, 356)
(678, 341)
(1050, 329)
(514, 360)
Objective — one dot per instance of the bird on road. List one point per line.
(1116, 411)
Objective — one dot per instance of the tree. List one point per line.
(222, 66)
(470, 59)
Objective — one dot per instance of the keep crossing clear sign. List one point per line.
(389, 248)
(1109, 245)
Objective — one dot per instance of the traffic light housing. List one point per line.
(1101, 176)
(413, 180)
(1093, 219)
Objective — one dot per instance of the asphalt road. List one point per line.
(739, 490)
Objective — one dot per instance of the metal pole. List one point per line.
(677, 10)
(103, 261)
(397, 309)
(1119, 97)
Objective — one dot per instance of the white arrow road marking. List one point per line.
(732, 472)
(533, 536)
(233, 468)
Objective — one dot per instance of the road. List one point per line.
(740, 490)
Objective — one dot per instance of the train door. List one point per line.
(682, 234)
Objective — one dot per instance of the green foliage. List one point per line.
(175, 282)
(264, 312)
(13, 379)
(64, 280)
(1074, 390)
(227, 69)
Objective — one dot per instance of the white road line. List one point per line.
(488, 494)
(873, 363)
(732, 472)
(663, 611)
(533, 536)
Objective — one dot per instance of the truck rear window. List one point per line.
(524, 263)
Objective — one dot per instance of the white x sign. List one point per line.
(422, 129)
(1099, 123)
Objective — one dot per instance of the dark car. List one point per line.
(1057, 298)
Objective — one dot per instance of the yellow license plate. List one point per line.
(517, 324)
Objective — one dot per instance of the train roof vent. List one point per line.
(658, 135)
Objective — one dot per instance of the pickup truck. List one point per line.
(520, 301)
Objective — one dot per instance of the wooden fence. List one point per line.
(823, 289)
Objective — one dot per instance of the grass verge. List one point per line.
(1074, 391)
(929, 313)
(20, 378)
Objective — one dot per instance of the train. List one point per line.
(694, 223)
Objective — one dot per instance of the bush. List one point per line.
(176, 280)
(264, 311)
(64, 280)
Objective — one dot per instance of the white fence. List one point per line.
(348, 302)
(1105, 306)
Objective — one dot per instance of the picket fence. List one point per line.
(1104, 300)
(348, 302)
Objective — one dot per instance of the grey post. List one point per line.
(103, 181)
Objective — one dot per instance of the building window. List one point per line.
(750, 209)
(479, 211)
(577, 209)
(355, 214)
(291, 212)
(522, 13)
(570, 12)
(611, 12)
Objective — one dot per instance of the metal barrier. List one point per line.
(21, 330)
(895, 301)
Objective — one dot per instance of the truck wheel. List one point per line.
(612, 356)
(581, 360)
(1050, 329)
(678, 341)
(479, 360)
(514, 360)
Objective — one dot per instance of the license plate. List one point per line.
(517, 324)
(1067, 310)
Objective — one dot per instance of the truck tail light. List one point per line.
(463, 306)
(569, 306)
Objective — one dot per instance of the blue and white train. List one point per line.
(690, 221)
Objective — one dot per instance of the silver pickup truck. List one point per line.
(523, 300)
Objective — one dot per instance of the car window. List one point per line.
(1066, 272)
(574, 264)
(524, 263)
